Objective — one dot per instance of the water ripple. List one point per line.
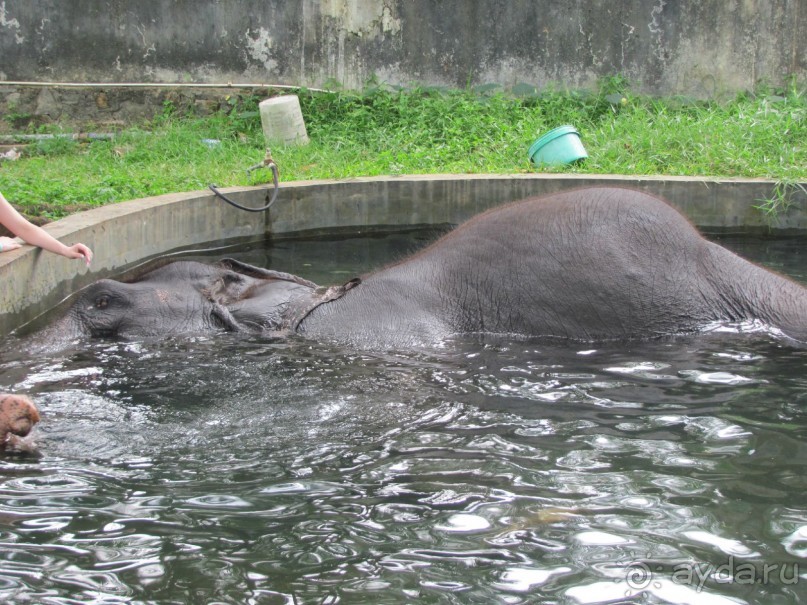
(489, 470)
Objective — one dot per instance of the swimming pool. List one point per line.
(240, 469)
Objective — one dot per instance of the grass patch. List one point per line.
(384, 131)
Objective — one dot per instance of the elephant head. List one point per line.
(187, 297)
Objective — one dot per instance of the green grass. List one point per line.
(391, 132)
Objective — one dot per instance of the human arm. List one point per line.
(36, 236)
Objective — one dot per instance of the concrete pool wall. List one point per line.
(126, 234)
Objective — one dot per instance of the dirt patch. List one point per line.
(99, 109)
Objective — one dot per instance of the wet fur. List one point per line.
(18, 415)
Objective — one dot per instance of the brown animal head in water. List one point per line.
(18, 415)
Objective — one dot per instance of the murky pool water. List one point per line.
(246, 470)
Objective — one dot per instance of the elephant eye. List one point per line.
(102, 302)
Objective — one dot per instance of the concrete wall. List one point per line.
(35, 281)
(703, 48)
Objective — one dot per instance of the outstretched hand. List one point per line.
(35, 235)
(74, 251)
(80, 251)
(7, 243)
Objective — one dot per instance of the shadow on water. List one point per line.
(240, 469)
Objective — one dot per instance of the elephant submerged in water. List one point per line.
(590, 264)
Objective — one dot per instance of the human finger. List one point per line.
(82, 251)
(6, 244)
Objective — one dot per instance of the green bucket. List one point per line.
(557, 147)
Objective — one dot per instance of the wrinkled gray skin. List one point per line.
(590, 264)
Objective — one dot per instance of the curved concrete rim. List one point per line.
(126, 234)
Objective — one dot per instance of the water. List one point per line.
(246, 470)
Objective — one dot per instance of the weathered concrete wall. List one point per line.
(702, 48)
(35, 281)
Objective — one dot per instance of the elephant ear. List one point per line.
(236, 281)
(298, 303)
(301, 308)
(259, 273)
(227, 287)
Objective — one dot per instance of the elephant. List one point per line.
(590, 264)
(18, 415)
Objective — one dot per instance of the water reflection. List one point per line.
(246, 470)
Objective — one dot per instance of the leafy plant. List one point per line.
(781, 199)
(55, 145)
(17, 119)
